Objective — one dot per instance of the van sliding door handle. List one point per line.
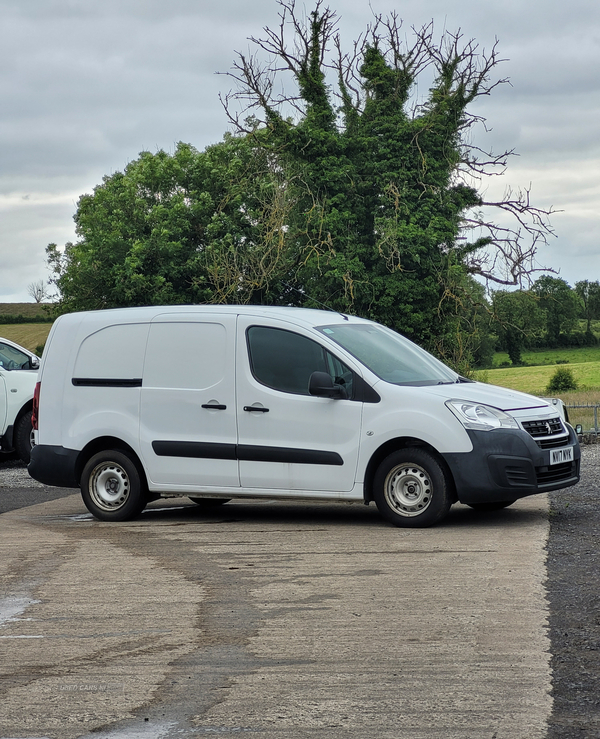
(256, 409)
(215, 406)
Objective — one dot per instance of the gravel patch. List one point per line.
(14, 474)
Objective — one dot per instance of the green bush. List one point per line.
(562, 381)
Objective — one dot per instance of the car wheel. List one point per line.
(496, 506)
(209, 502)
(112, 487)
(23, 439)
(411, 489)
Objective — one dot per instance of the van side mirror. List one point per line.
(34, 363)
(321, 385)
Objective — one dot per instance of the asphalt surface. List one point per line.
(573, 588)
(16, 491)
(568, 623)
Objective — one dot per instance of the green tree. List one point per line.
(589, 294)
(560, 304)
(517, 318)
(191, 227)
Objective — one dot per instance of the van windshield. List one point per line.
(389, 355)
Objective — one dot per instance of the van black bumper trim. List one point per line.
(54, 465)
(508, 465)
(245, 452)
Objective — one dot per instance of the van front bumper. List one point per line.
(507, 465)
(54, 465)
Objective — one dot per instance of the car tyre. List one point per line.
(411, 489)
(112, 486)
(23, 438)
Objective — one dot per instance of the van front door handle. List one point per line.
(256, 409)
(215, 406)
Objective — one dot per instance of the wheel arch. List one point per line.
(393, 445)
(25, 408)
(103, 443)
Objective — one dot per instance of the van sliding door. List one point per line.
(188, 416)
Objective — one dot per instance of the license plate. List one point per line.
(558, 456)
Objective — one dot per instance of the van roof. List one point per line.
(305, 316)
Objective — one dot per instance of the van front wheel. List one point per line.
(112, 487)
(411, 489)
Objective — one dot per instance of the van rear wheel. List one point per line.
(112, 487)
(411, 489)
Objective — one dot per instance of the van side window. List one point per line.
(284, 360)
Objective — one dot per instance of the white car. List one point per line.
(18, 375)
(216, 402)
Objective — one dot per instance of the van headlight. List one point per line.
(480, 417)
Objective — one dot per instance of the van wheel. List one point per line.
(411, 489)
(112, 487)
(24, 437)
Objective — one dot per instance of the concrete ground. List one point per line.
(273, 620)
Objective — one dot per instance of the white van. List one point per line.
(220, 402)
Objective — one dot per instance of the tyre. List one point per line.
(112, 486)
(496, 506)
(23, 437)
(411, 489)
(209, 502)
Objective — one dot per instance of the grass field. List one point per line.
(584, 363)
(551, 356)
(29, 335)
(535, 380)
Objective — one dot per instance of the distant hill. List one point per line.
(23, 309)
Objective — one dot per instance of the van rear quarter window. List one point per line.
(115, 352)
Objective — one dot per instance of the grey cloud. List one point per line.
(87, 85)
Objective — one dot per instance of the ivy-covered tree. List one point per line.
(383, 187)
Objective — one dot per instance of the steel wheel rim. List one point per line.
(109, 486)
(408, 490)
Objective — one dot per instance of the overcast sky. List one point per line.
(88, 84)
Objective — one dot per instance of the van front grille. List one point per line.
(544, 428)
(547, 434)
